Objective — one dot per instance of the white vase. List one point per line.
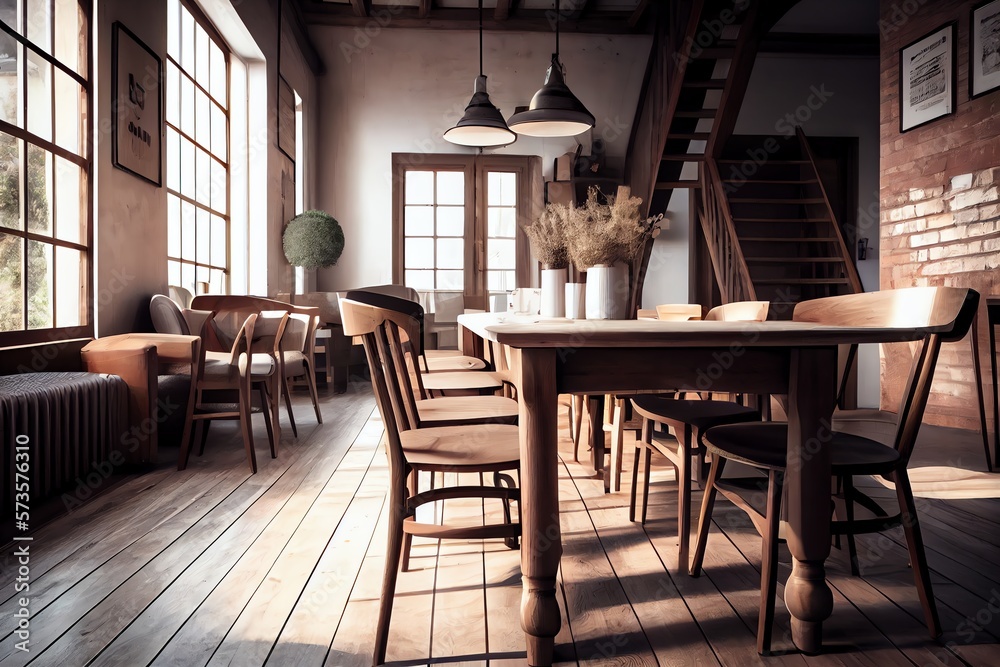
(553, 292)
(607, 292)
(576, 300)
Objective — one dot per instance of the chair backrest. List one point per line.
(740, 311)
(232, 309)
(381, 331)
(411, 309)
(678, 312)
(181, 295)
(949, 309)
(167, 316)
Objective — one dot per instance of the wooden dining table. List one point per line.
(555, 356)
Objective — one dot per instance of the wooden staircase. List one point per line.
(770, 234)
(777, 211)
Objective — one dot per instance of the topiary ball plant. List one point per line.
(313, 240)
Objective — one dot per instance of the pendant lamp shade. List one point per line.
(483, 124)
(554, 110)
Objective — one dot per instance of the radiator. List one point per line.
(71, 423)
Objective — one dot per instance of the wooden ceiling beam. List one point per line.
(452, 18)
(362, 8)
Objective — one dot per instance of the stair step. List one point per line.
(713, 84)
(777, 220)
(764, 181)
(795, 260)
(684, 157)
(675, 185)
(689, 136)
(801, 281)
(697, 113)
(765, 239)
(775, 200)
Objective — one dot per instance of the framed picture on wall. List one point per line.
(927, 78)
(984, 48)
(136, 111)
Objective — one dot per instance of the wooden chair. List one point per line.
(296, 357)
(763, 445)
(227, 372)
(616, 418)
(466, 449)
(688, 419)
(427, 383)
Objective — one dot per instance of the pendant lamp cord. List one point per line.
(480, 37)
(558, 21)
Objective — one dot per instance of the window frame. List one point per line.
(474, 167)
(85, 162)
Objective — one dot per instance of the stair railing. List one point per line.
(731, 271)
(849, 266)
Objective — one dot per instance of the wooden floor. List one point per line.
(213, 566)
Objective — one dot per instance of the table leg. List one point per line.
(811, 396)
(541, 544)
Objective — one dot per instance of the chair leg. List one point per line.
(646, 438)
(705, 520)
(274, 388)
(769, 561)
(576, 402)
(852, 546)
(203, 433)
(501, 480)
(311, 379)
(288, 406)
(246, 426)
(648, 461)
(407, 540)
(393, 551)
(265, 407)
(683, 499)
(915, 545)
(617, 442)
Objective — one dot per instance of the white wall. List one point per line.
(782, 85)
(399, 90)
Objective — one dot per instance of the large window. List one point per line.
(197, 97)
(45, 166)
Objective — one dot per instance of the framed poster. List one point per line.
(927, 78)
(136, 105)
(984, 49)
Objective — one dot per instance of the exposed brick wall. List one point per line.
(940, 207)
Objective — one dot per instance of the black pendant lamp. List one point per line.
(554, 110)
(483, 124)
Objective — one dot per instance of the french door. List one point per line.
(457, 228)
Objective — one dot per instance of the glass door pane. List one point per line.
(501, 233)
